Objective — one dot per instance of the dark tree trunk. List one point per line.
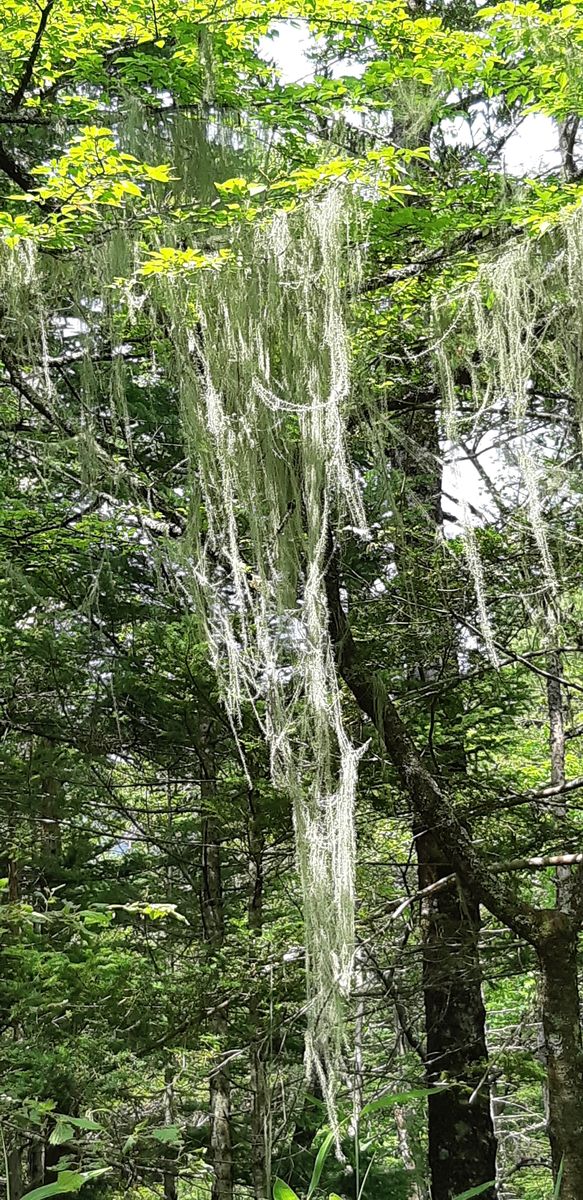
(52, 1155)
(461, 1136)
(462, 1144)
(14, 1164)
(221, 1142)
(568, 880)
(564, 1052)
(36, 1167)
(258, 1075)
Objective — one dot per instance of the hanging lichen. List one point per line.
(258, 356)
(514, 333)
(262, 362)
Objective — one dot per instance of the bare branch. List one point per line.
(532, 796)
(537, 863)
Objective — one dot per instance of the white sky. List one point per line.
(531, 149)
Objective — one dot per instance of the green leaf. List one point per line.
(67, 1181)
(92, 916)
(399, 1098)
(167, 1133)
(476, 1191)
(559, 1180)
(82, 1123)
(63, 1132)
(319, 1163)
(281, 1191)
(130, 187)
(161, 173)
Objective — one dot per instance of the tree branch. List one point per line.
(435, 258)
(431, 804)
(18, 96)
(537, 863)
(17, 173)
(530, 797)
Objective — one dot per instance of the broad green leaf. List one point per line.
(319, 1163)
(161, 174)
(82, 1123)
(66, 1181)
(63, 1132)
(167, 1133)
(131, 188)
(476, 1191)
(281, 1191)
(92, 916)
(389, 1101)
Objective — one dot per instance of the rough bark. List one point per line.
(14, 1164)
(462, 1143)
(567, 877)
(36, 1168)
(568, 130)
(260, 1156)
(564, 1051)
(13, 882)
(221, 1140)
(461, 1137)
(221, 1143)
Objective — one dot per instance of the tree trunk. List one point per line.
(260, 1155)
(567, 880)
(36, 1162)
(14, 1186)
(462, 1144)
(557, 952)
(221, 1140)
(170, 1191)
(221, 1143)
(461, 1137)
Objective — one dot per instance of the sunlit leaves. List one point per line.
(94, 171)
(67, 1181)
(169, 261)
